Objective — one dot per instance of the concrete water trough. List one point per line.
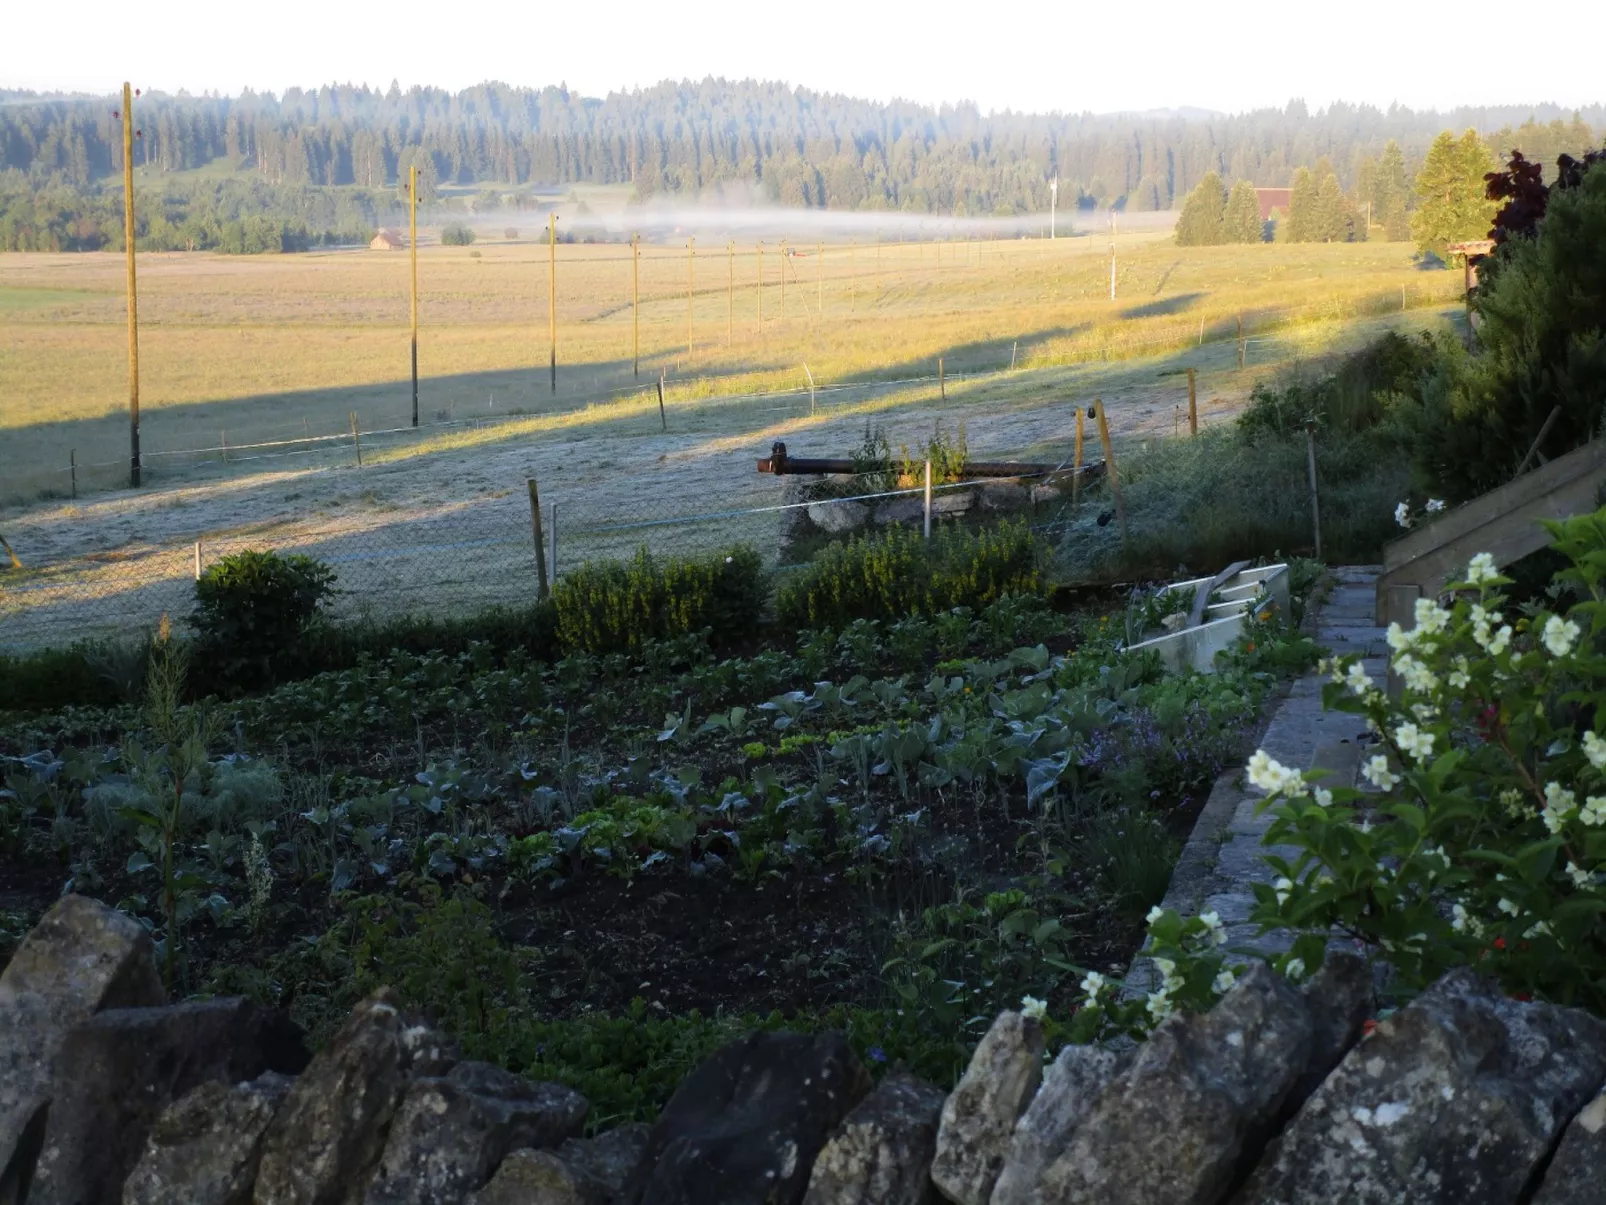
(1210, 627)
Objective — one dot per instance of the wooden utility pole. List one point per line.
(540, 544)
(133, 292)
(552, 293)
(1193, 405)
(635, 309)
(1109, 464)
(412, 251)
(730, 290)
(691, 245)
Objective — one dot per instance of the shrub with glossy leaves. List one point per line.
(252, 610)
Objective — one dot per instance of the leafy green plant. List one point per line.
(606, 607)
(894, 573)
(253, 609)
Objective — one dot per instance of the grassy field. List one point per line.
(246, 349)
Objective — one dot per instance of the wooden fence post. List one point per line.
(1315, 503)
(1241, 347)
(356, 440)
(942, 383)
(1109, 465)
(72, 467)
(1193, 405)
(928, 499)
(1076, 477)
(224, 436)
(540, 544)
(197, 560)
(663, 419)
(15, 563)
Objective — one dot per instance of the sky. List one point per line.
(1026, 55)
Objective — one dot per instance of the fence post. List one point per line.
(810, 376)
(197, 560)
(1109, 465)
(535, 525)
(72, 467)
(224, 437)
(1013, 348)
(552, 539)
(356, 441)
(15, 563)
(663, 419)
(1240, 340)
(1315, 503)
(1193, 406)
(942, 383)
(928, 499)
(1076, 475)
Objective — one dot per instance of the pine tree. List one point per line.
(1302, 201)
(1451, 204)
(1335, 217)
(1200, 224)
(1242, 221)
(1391, 194)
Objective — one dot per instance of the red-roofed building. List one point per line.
(1273, 198)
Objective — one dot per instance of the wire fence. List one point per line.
(474, 558)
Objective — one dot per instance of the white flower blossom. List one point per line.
(1212, 923)
(1324, 797)
(1155, 913)
(1031, 1006)
(1581, 878)
(1560, 804)
(1560, 635)
(1461, 676)
(1357, 679)
(1414, 742)
(1594, 813)
(1224, 981)
(1283, 887)
(1295, 970)
(1458, 918)
(1431, 619)
(1377, 772)
(1434, 506)
(1595, 750)
(1538, 929)
(1092, 984)
(1266, 773)
(1418, 678)
(1511, 800)
(1509, 908)
(1159, 1005)
(1481, 570)
(1402, 515)
(1399, 639)
(1501, 641)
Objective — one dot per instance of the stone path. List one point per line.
(1221, 860)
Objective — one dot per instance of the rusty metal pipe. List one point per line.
(781, 464)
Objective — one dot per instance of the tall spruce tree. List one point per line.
(1451, 203)
(1334, 220)
(1391, 194)
(1200, 224)
(1242, 221)
(1302, 203)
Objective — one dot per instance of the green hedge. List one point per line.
(611, 606)
(893, 573)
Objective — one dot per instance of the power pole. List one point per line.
(761, 286)
(1053, 204)
(690, 252)
(552, 293)
(412, 251)
(133, 293)
(635, 302)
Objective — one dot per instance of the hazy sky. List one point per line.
(1033, 56)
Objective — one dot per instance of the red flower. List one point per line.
(1499, 943)
(1368, 1027)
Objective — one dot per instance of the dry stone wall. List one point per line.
(1277, 1096)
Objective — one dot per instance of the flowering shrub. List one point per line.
(1483, 839)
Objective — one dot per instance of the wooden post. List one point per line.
(133, 291)
(1109, 464)
(1315, 502)
(1076, 474)
(942, 382)
(663, 419)
(691, 253)
(635, 310)
(928, 499)
(72, 467)
(730, 290)
(540, 544)
(1014, 348)
(11, 556)
(1193, 405)
(412, 252)
(356, 440)
(810, 376)
(223, 437)
(552, 293)
(1241, 347)
(197, 560)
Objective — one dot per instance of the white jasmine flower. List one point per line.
(1509, 908)
(1418, 678)
(1031, 1006)
(1594, 812)
(1581, 878)
(1166, 967)
(1511, 800)
(1481, 570)
(1560, 804)
(1501, 641)
(1155, 913)
(1377, 772)
(1283, 887)
(1092, 984)
(1414, 742)
(1224, 981)
(1560, 635)
(1461, 676)
(1266, 773)
(1324, 797)
(1398, 638)
(1295, 970)
(1357, 679)
(1595, 750)
(1402, 515)
(1431, 618)
(1434, 506)
(1213, 925)
(1159, 1006)
(1538, 929)
(1458, 918)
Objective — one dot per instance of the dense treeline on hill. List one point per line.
(792, 146)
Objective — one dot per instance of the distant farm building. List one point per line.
(385, 240)
(1273, 199)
